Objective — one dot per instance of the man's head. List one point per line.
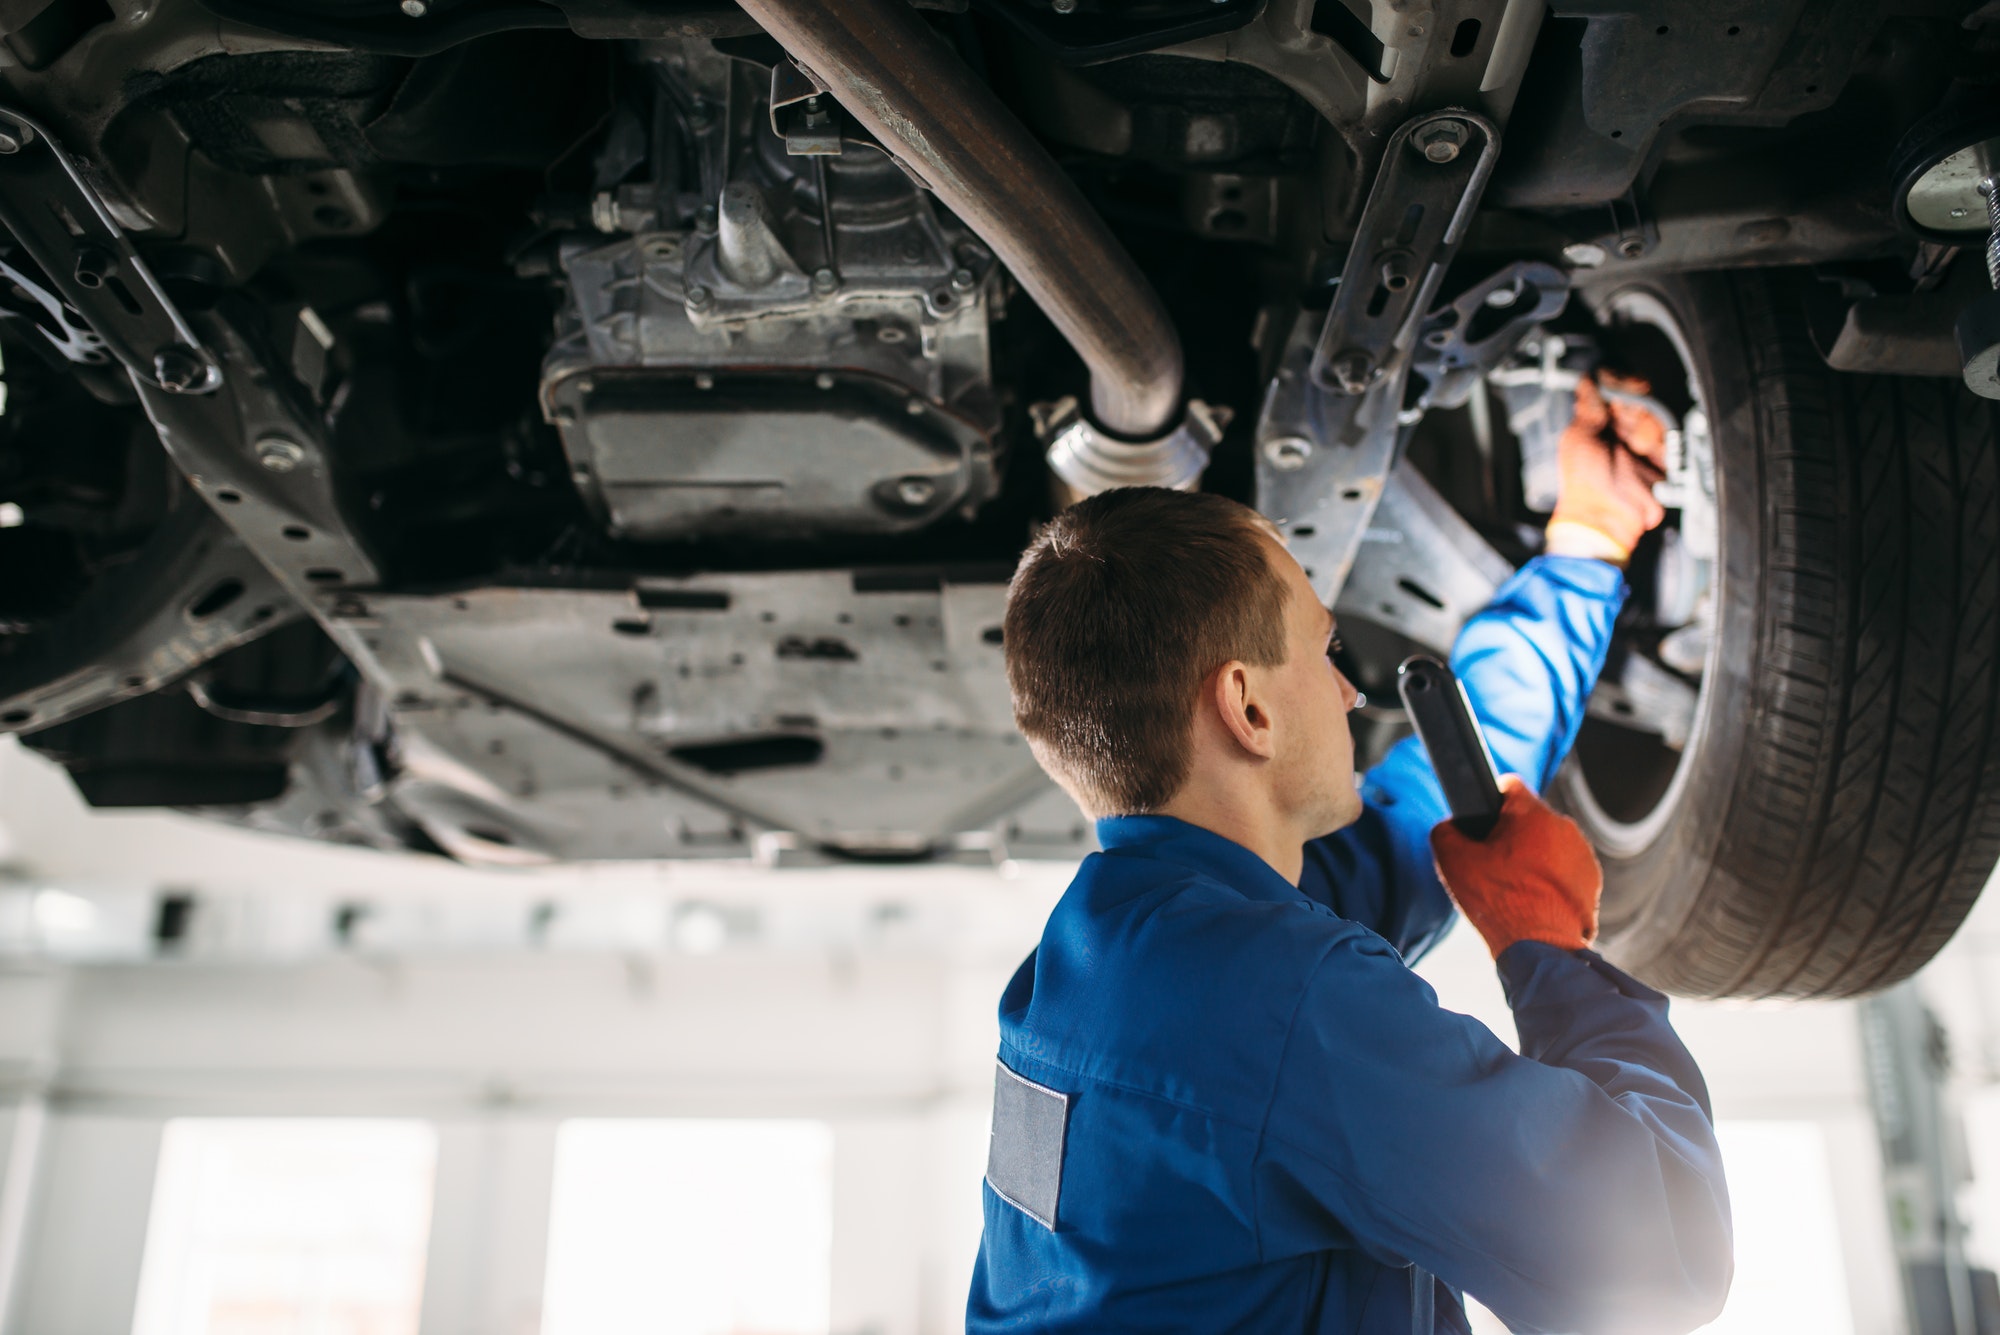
(1160, 643)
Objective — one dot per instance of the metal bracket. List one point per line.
(1433, 173)
(1478, 331)
(803, 112)
(1424, 570)
(87, 258)
(258, 456)
(195, 589)
(1332, 415)
(1317, 487)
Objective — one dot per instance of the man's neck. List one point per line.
(1256, 826)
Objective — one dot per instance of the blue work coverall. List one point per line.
(1226, 1104)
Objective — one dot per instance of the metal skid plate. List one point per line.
(686, 717)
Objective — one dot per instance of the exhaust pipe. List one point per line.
(891, 73)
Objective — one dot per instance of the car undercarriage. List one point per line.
(540, 432)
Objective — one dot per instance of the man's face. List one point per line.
(1310, 701)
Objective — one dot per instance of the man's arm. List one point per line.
(1528, 661)
(1577, 1186)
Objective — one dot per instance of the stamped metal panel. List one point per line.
(686, 717)
(1423, 570)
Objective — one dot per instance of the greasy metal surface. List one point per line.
(810, 358)
(144, 624)
(899, 80)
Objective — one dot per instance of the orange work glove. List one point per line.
(1534, 878)
(1607, 462)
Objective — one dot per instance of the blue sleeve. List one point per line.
(1529, 661)
(1577, 1186)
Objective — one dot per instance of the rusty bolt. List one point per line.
(1441, 142)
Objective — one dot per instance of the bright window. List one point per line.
(690, 1228)
(1790, 1274)
(1981, 1202)
(288, 1227)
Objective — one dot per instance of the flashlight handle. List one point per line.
(1442, 713)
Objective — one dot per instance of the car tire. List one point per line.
(1836, 809)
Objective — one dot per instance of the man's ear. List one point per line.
(1242, 709)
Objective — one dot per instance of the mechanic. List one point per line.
(1224, 1102)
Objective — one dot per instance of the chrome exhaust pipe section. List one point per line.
(894, 75)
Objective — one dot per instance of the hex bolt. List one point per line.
(914, 491)
(963, 279)
(1631, 247)
(1352, 372)
(180, 370)
(1063, 6)
(279, 455)
(825, 281)
(824, 380)
(14, 138)
(1442, 141)
(416, 9)
(94, 266)
(1288, 454)
(699, 298)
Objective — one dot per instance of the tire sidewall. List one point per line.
(1651, 894)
